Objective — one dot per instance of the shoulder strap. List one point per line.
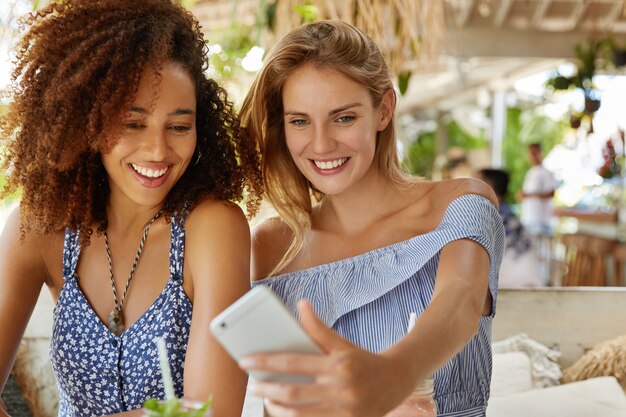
(177, 245)
(71, 252)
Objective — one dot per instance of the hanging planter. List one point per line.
(592, 105)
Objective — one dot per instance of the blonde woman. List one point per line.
(365, 243)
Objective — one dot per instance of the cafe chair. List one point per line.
(586, 258)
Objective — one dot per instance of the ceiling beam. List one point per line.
(577, 13)
(464, 12)
(540, 12)
(452, 94)
(492, 42)
(502, 12)
(613, 14)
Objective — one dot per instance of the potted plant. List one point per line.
(592, 102)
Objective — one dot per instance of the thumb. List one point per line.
(321, 334)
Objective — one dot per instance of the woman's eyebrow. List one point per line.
(344, 108)
(330, 113)
(182, 111)
(176, 112)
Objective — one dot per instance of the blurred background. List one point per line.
(478, 81)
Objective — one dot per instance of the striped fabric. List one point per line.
(367, 298)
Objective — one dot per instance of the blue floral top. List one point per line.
(99, 373)
(368, 298)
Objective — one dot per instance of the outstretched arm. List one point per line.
(353, 382)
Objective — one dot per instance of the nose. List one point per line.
(156, 144)
(323, 141)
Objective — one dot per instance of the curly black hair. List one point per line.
(77, 71)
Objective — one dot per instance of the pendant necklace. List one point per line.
(116, 319)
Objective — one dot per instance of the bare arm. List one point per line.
(22, 274)
(217, 255)
(353, 382)
(459, 299)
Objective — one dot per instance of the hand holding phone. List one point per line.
(260, 323)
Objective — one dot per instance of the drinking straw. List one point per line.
(412, 319)
(165, 369)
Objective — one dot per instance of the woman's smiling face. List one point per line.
(158, 139)
(331, 127)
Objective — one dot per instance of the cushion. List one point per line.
(511, 373)
(596, 397)
(607, 358)
(544, 369)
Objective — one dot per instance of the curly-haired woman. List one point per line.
(129, 160)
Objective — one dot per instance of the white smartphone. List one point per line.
(259, 322)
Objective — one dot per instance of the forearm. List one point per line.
(442, 331)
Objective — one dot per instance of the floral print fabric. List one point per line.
(99, 373)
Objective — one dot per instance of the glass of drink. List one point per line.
(419, 404)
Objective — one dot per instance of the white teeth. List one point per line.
(147, 172)
(330, 164)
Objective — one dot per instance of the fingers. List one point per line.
(321, 334)
(287, 363)
(293, 395)
(276, 409)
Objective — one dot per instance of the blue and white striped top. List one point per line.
(368, 298)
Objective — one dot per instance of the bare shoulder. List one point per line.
(216, 216)
(217, 251)
(270, 241)
(27, 252)
(452, 189)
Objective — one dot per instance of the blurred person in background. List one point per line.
(520, 267)
(536, 211)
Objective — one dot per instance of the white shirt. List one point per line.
(537, 212)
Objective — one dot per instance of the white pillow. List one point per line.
(511, 373)
(596, 397)
(544, 367)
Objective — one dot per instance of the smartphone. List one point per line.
(260, 322)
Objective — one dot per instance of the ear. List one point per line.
(387, 107)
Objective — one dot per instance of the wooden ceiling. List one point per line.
(488, 43)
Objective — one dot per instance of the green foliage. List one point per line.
(462, 139)
(188, 4)
(174, 408)
(591, 55)
(236, 41)
(420, 156)
(403, 81)
(308, 12)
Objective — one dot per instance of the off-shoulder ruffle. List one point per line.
(337, 288)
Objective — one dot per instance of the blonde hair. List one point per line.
(325, 44)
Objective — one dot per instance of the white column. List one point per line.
(498, 125)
